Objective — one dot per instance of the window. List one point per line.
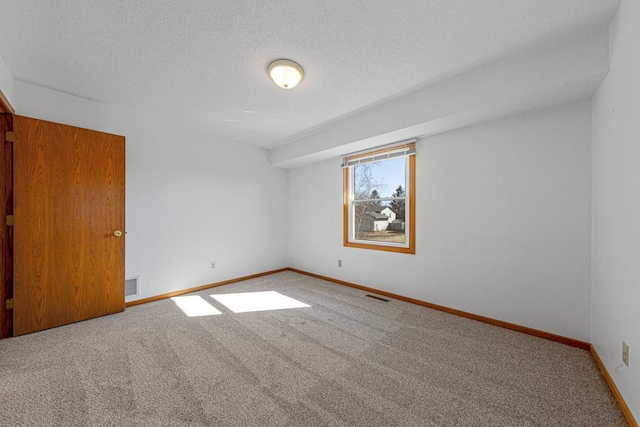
(379, 203)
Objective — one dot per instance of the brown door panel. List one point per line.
(69, 190)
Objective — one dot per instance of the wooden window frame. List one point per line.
(410, 190)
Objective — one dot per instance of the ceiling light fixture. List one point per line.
(285, 73)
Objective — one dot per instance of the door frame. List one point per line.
(6, 208)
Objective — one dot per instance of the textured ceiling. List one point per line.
(205, 61)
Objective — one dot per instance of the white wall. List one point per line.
(503, 223)
(6, 82)
(616, 207)
(191, 198)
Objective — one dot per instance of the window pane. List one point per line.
(385, 178)
(379, 222)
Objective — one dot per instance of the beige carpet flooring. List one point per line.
(347, 360)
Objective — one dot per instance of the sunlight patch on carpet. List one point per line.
(195, 306)
(245, 302)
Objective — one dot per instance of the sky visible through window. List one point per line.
(388, 175)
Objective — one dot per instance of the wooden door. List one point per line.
(68, 204)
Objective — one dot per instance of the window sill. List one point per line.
(398, 249)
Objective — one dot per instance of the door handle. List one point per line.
(117, 233)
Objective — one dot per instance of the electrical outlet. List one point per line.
(339, 263)
(213, 264)
(625, 353)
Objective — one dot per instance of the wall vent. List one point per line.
(132, 287)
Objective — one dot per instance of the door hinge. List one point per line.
(8, 136)
(10, 220)
(9, 304)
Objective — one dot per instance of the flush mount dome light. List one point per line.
(285, 73)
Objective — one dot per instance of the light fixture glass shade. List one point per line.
(285, 73)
